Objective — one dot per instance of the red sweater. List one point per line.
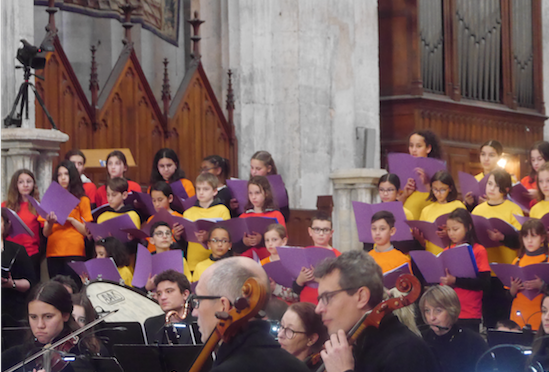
(30, 243)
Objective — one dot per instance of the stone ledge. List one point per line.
(367, 176)
(33, 134)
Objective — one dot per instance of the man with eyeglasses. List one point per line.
(172, 290)
(349, 286)
(253, 348)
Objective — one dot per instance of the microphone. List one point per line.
(440, 327)
(527, 326)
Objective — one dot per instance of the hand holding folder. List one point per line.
(57, 200)
(459, 261)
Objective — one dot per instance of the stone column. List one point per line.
(30, 148)
(351, 185)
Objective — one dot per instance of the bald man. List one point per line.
(253, 349)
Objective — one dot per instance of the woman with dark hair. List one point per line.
(50, 319)
(166, 167)
(23, 185)
(302, 332)
(66, 242)
(18, 280)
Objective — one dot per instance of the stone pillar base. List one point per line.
(351, 185)
(30, 148)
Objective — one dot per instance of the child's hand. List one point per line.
(201, 235)
(305, 275)
(422, 175)
(469, 198)
(273, 284)
(251, 240)
(178, 230)
(495, 235)
(442, 232)
(418, 235)
(51, 218)
(449, 279)
(516, 286)
(532, 194)
(85, 278)
(150, 283)
(534, 284)
(482, 199)
(233, 203)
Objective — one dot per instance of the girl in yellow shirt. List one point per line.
(112, 247)
(542, 206)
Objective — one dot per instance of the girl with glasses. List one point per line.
(219, 243)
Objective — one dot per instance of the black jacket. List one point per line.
(254, 349)
(155, 330)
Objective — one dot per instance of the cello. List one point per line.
(253, 299)
(406, 283)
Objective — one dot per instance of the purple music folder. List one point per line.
(429, 230)
(147, 264)
(520, 196)
(523, 219)
(277, 272)
(239, 189)
(363, 218)
(404, 165)
(179, 190)
(99, 210)
(482, 225)
(469, 183)
(113, 227)
(104, 267)
(192, 227)
(279, 190)
(525, 273)
(56, 199)
(460, 262)
(17, 225)
(144, 199)
(238, 227)
(189, 203)
(390, 277)
(294, 258)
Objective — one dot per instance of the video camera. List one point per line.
(31, 56)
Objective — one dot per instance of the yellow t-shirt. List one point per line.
(431, 212)
(503, 211)
(126, 273)
(479, 176)
(409, 215)
(200, 268)
(389, 260)
(416, 202)
(196, 252)
(540, 209)
(105, 216)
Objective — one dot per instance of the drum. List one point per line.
(132, 305)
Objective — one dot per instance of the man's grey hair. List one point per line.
(228, 278)
(356, 269)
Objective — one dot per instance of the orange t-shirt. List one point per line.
(65, 240)
(101, 193)
(528, 308)
(270, 214)
(151, 247)
(389, 260)
(309, 294)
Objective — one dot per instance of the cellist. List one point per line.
(252, 348)
(50, 319)
(348, 287)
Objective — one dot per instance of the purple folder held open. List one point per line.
(391, 276)
(469, 183)
(147, 264)
(190, 202)
(192, 227)
(460, 262)
(56, 199)
(294, 258)
(429, 230)
(482, 225)
(277, 272)
(507, 271)
(523, 219)
(279, 190)
(113, 227)
(179, 190)
(404, 165)
(144, 199)
(97, 267)
(99, 210)
(17, 225)
(239, 189)
(363, 218)
(143, 233)
(520, 196)
(240, 226)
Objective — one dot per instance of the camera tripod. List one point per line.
(23, 96)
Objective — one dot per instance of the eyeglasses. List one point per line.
(318, 230)
(163, 233)
(327, 296)
(440, 191)
(386, 191)
(195, 300)
(288, 332)
(221, 241)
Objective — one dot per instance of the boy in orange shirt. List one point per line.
(385, 255)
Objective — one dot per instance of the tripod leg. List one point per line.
(9, 119)
(41, 102)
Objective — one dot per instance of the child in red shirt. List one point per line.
(117, 166)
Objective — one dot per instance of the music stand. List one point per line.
(166, 358)
(496, 337)
(102, 364)
(134, 334)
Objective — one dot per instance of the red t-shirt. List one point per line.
(90, 190)
(261, 253)
(471, 301)
(101, 193)
(309, 294)
(31, 244)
